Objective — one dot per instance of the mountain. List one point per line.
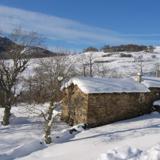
(34, 52)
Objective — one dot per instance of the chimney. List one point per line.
(139, 77)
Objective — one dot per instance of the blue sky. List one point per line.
(76, 24)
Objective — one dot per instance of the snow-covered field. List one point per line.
(132, 139)
(126, 66)
(24, 135)
(111, 62)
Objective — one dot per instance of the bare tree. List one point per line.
(45, 86)
(88, 62)
(44, 83)
(11, 69)
(48, 116)
(101, 69)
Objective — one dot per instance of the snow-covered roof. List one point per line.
(90, 85)
(151, 82)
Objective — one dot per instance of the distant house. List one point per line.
(153, 84)
(98, 101)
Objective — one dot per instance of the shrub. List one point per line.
(125, 55)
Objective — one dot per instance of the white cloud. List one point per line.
(54, 27)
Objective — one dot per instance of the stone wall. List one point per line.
(75, 106)
(112, 107)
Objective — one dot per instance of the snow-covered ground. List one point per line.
(111, 62)
(24, 135)
(141, 133)
(126, 66)
(134, 138)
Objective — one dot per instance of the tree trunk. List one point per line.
(47, 136)
(6, 116)
(48, 124)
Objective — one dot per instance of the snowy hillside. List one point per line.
(117, 64)
(125, 63)
(134, 139)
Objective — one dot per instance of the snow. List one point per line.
(134, 138)
(22, 150)
(106, 85)
(123, 66)
(156, 103)
(130, 153)
(151, 82)
(125, 153)
(22, 136)
(157, 49)
(113, 62)
(69, 133)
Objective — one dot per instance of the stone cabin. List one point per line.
(99, 101)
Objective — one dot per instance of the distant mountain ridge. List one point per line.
(34, 52)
